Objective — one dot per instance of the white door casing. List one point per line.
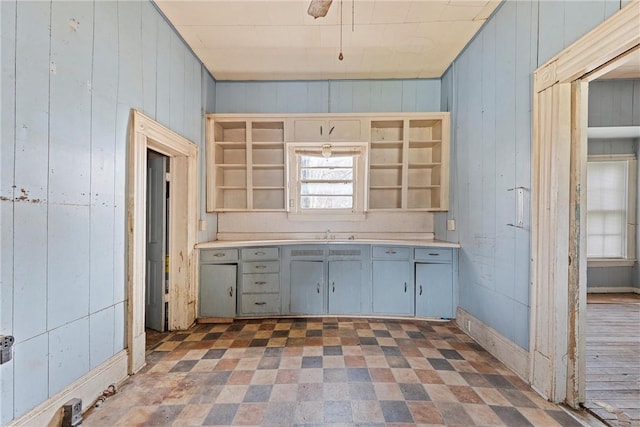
(146, 133)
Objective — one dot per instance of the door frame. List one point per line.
(558, 283)
(145, 133)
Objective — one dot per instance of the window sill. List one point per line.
(603, 262)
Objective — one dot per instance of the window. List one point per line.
(611, 209)
(326, 180)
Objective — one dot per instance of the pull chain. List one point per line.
(341, 56)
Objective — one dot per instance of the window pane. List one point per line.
(326, 189)
(325, 174)
(333, 161)
(607, 209)
(326, 202)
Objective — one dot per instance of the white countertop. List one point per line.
(248, 243)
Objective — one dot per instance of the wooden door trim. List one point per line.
(605, 43)
(145, 133)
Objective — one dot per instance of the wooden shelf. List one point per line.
(408, 163)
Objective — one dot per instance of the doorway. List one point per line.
(158, 213)
(558, 297)
(181, 231)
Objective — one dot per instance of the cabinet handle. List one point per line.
(260, 283)
(333, 284)
(261, 267)
(405, 287)
(318, 287)
(230, 291)
(420, 290)
(332, 128)
(219, 254)
(390, 252)
(434, 254)
(259, 253)
(320, 130)
(260, 303)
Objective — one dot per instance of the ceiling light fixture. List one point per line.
(319, 8)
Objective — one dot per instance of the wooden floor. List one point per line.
(613, 358)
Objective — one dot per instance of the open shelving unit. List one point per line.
(247, 164)
(408, 163)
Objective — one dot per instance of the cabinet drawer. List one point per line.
(260, 303)
(257, 254)
(256, 283)
(391, 252)
(434, 254)
(261, 267)
(218, 255)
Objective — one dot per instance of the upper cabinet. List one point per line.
(408, 153)
(321, 130)
(409, 163)
(245, 164)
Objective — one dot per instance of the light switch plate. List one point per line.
(451, 225)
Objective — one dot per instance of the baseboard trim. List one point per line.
(88, 388)
(613, 290)
(512, 355)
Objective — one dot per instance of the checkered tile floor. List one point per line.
(322, 371)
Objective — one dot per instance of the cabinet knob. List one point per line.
(260, 303)
(259, 253)
(318, 287)
(390, 252)
(331, 130)
(230, 291)
(260, 283)
(405, 287)
(433, 254)
(261, 267)
(420, 290)
(219, 254)
(333, 284)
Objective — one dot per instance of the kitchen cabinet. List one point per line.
(245, 164)
(218, 283)
(307, 287)
(327, 129)
(392, 281)
(434, 283)
(260, 281)
(409, 163)
(345, 286)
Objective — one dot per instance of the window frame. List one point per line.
(629, 258)
(360, 166)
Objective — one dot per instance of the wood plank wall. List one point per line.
(71, 72)
(335, 96)
(488, 89)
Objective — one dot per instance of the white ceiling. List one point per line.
(278, 40)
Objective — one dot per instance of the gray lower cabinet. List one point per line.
(345, 286)
(434, 283)
(217, 290)
(392, 287)
(260, 281)
(307, 287)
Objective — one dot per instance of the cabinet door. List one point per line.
(218, 290)
(344, 130)
(434, 290)
(345, 287)
(309, 130)
(392, 290)
(307, 287)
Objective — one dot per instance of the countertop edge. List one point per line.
(249, 243)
